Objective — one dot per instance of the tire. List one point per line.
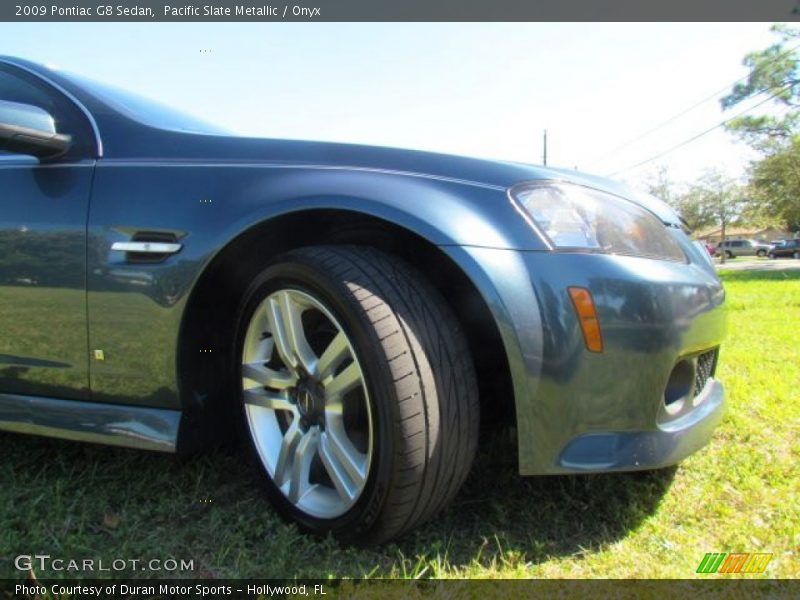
(365, 461)
(761, 253)
(796, 255)
(729, 254)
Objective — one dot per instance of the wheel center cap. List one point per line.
(305, 402)
(310, 402)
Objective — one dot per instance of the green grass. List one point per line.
(738, 494)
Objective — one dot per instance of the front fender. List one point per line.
(443, 211)
(503, 280)
(135, 310)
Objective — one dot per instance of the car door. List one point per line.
(43, 213)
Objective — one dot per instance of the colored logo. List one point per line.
(735, 562)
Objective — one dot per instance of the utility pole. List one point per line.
(544, 161)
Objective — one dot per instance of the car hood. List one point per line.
(495, 173)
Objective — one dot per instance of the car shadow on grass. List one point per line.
(77, 500)
(503, 518)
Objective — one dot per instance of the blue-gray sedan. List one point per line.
(350, 313)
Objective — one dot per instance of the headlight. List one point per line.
(574, 217)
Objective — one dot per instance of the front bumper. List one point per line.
(667, 444)
(580, 411)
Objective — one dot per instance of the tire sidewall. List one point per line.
(295, 272)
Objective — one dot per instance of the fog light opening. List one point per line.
(679, 386)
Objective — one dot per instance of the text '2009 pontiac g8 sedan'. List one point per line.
(349, 312)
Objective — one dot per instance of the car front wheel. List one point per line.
(761, 253)
(357, 392)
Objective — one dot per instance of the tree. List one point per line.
(775, 74)
(660, 185)
(688, 204)
(692, 206)
(775, 187)
(775, 179)
(715, 200)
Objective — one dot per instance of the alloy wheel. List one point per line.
(306, 403)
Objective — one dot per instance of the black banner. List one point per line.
(399, 10)
(711, 587)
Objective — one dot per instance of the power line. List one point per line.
(698, 136)
(691, 108)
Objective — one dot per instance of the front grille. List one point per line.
(706, 364)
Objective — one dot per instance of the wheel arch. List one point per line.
(207, 325)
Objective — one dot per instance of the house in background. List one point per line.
(762, 234)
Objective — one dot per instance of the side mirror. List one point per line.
(26, 129)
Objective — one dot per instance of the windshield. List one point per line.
(144, 110)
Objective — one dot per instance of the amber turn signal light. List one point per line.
(587, 316)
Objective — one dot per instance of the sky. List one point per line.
(476, 89)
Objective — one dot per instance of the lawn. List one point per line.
(739, 494)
